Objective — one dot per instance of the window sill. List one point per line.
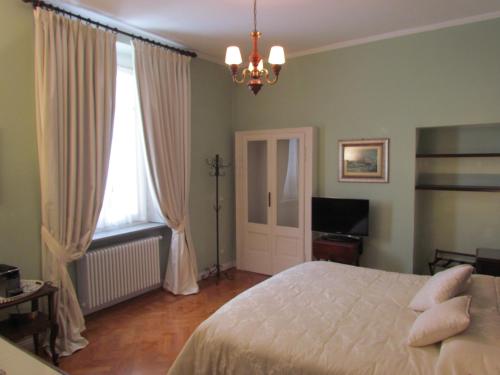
(130, 233)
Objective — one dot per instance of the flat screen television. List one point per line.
(340, 216)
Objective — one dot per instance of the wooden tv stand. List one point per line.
(344, 250)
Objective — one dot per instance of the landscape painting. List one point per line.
(364, 160)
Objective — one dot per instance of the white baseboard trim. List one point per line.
(224, 266)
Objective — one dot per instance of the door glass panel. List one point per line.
(288, 183)
(257, 181)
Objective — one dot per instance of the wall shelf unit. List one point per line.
(489, 189)
(462, 158)
(457, 190)
(466, 155)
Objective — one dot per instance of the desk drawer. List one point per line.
(341, 253)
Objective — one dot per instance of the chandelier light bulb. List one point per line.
(260, 67)
(233, 55)
(277, 55)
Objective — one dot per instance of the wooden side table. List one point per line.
(16, 331)
(488, 261)
(345, 251)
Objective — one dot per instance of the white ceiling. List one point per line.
(301, 26)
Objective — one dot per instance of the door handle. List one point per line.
(269, 199)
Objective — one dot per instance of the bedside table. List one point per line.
(16, 331)
(344, 251)
(488, 261)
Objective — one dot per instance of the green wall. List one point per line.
(211, 134)
(19, 179)
(384, 89)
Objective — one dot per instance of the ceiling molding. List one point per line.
(396, 34)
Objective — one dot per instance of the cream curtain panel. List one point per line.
(75, 74)
(164, 83)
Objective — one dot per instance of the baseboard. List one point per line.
(224, 266)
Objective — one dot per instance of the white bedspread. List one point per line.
(316, 318)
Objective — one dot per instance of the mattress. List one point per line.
(324, 318)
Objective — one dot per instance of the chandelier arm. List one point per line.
(270, 81)
(243, 76)
(276, 68)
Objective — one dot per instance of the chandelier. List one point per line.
(256, 73)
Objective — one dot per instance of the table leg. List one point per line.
(54, 329)
(36, 343)
(36, 337)
(34, 305)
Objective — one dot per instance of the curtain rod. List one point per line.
(43, 4)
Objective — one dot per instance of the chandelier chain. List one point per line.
(255, 15)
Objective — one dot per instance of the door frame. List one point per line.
(310, 135)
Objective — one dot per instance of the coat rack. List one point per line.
(217, 167)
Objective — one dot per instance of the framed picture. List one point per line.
(365, 160)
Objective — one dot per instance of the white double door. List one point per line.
(272, 190)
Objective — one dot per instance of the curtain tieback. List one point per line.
(180, 228)
(54, 246)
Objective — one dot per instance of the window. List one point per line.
(128, 198)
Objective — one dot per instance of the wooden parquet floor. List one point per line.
(143, 336)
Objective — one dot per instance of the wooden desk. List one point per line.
(17, 331)
(488, 262)
(340, 251)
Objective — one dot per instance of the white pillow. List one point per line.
(441, 287)
(440, 322)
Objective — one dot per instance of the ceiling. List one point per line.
(301, 26)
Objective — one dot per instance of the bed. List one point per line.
(328, 318)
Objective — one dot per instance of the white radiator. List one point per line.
(113, 274)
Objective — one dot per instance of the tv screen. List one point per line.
(340, 216)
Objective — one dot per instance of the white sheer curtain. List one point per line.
(291, 185)
(127, 195)
(163, 79)
(75, 71)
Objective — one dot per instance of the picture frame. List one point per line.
(364, 160)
